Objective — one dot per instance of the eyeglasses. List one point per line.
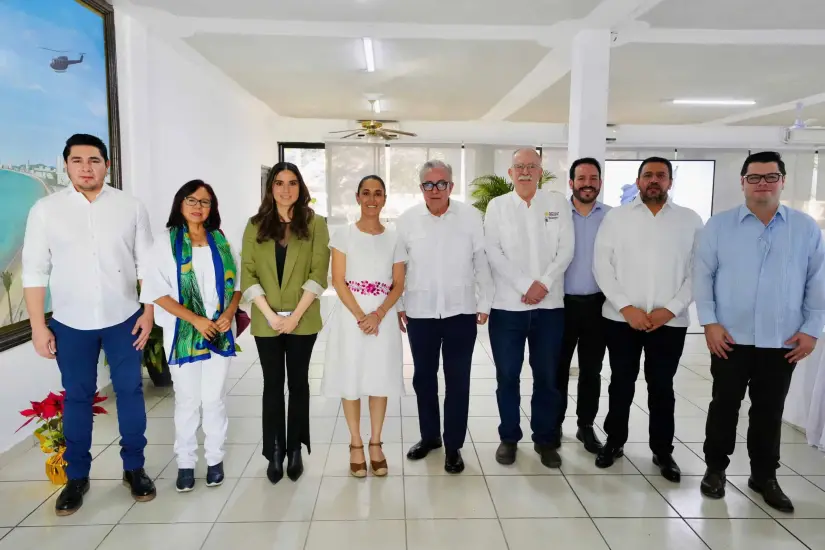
(192, 201)
(440, 184)
(769, 178)
(521, 167)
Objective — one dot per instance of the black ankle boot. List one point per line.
(275, 471)
(295, 464)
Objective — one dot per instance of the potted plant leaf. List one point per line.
(486, 188)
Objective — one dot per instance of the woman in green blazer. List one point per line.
(284, 268)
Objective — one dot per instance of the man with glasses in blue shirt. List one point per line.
(759, 287)
(448, 293)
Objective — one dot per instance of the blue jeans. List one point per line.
(542, 330)
(78, 352)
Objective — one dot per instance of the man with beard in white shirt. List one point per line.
(447, 294)
(530, 238)
(643, 264)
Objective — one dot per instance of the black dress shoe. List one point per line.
(549, 456)
(506, 453)
(772, 493)
(668, 467)
(422, 449)
(275, 470)
(185, 481)
(713, 484)
(71, 498)
(608, 455)
(141, 485)
(587, 436)
(453, 463)
(294, 465)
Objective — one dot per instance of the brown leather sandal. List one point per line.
(357, 470)
(379, 467)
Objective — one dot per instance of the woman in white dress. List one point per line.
(193, 278)
(364, 355)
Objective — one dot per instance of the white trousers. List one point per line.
(200, 384)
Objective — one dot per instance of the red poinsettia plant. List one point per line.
(49, 413)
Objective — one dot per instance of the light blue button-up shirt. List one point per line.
(762, 283)
(579, 279)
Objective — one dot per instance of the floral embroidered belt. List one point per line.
(368, 288)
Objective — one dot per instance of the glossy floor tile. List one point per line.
(418, 506)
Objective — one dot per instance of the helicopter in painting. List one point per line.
(61, 63)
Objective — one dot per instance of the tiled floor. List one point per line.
(418, 506)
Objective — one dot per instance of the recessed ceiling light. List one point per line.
(369, 54)
(729, 102)
(376, 106)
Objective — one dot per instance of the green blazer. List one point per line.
(307, 267)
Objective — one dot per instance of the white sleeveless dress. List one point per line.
(358, 364)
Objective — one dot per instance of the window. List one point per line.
(310, 158)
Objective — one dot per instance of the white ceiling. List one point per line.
(489, 59)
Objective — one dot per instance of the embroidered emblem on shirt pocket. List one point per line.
(548, 216)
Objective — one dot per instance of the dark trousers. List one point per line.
(542, 330)
(285, 355)
(583, 326)
(454, 338)
(663, 349)
(78, 352)
(768, 375)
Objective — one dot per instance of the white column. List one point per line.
(589, 87)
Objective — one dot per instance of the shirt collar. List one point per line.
(637, 201)
(596, 207)
(450, 210)
(75, 192)
(744, 212)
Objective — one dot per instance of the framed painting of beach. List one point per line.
(58, 77)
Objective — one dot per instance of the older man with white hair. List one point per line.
(448, 293)
(530, 238)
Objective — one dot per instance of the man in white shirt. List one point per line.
(88, 245)
(529, 242)
(643, 264)
(448, 292)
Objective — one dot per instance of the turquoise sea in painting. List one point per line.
(19, 192)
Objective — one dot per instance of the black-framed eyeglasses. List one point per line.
(440, 184)
(769, 178)
(192, 201)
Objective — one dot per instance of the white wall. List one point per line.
(183, 119)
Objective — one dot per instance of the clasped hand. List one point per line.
(648, 322)
(535, 294)
(369, 323)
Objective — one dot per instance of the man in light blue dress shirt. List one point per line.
(583, 300)
(759, 287)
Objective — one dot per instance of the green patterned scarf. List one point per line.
(189, 345)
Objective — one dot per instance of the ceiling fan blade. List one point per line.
(403, 133)
(352, 134)
(343, 131)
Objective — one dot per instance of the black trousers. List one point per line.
(663, 349)
(583, 326)
(454, 337)
(285, 355)
(767, 374)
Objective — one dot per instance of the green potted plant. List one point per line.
(486, 188)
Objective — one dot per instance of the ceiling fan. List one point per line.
(800, 123)
(373, 128)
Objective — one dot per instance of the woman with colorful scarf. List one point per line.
(193, 278)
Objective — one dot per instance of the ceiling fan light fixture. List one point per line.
(369, 54)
